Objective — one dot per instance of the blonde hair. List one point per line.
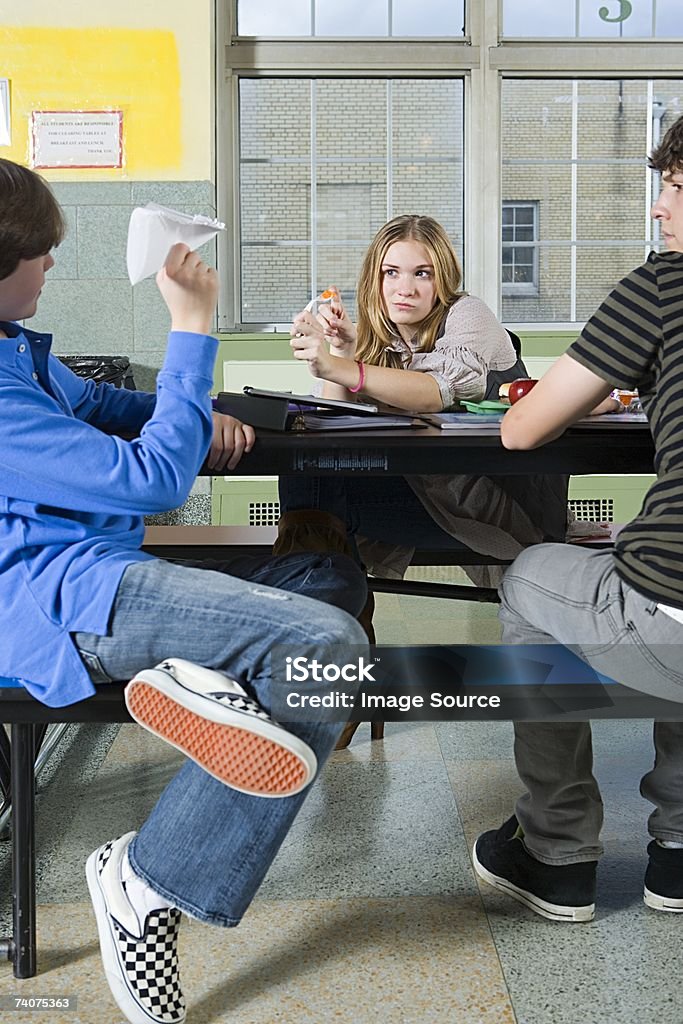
(375, 331)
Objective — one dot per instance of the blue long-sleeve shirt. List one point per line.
(72, 496)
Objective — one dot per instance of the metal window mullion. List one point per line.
(390, 149)
(535, 251)
(390, 17)
(314, 190)
(648, 172)
(312, 17)
(574, 198)
(481, 159)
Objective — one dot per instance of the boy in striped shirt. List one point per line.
(621, 609)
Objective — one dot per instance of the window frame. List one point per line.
(482, 58)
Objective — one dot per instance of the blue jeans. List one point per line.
(385, 508)
(559, 593)
(206, 847)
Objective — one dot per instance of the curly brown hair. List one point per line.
(668, 156)
(31, 219)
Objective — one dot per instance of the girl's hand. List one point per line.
(308, 343)
(231, 439)
(340, 333)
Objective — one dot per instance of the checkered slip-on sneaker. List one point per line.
(139, 955)
(212, 720)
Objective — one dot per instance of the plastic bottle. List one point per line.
(324, 299)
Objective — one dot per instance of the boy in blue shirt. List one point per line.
(81, 603)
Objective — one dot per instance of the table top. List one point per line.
(618, 448)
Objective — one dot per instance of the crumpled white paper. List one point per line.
(153, 229)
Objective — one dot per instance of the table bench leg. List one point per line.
(5, 761)
(23, 850)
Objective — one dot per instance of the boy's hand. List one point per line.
(189, 289)
(231, 439)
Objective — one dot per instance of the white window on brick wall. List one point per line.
(519, 270)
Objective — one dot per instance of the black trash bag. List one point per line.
(102, 369)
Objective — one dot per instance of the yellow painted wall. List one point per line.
(152, 59)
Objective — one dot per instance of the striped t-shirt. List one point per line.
(635, 340)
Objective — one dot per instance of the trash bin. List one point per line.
(102, 369)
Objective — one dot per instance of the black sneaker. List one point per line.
(559, 892)
(664, 879)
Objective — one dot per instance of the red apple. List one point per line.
(520, 388)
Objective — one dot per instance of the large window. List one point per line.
(522, 126)
(323, 164)
(578, 147)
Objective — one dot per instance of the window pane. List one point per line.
(553, 301)
(340, 265)
(320, 206)
(637, 22)
(611, 19)
(274, 281)
(273, 18)
(428, 18)
(427, 143)
(668, 20)
(275, 118)
(352, 18)
(351, 119)
(597, 272)
(529, 18)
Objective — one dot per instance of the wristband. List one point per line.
(361, 377)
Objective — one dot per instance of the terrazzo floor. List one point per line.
(371, 911)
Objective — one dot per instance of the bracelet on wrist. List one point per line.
(361, 377)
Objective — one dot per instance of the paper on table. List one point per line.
(153, 229)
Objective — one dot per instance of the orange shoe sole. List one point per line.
(236, 757)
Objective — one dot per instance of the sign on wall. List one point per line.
(77, 138)
(5, 132)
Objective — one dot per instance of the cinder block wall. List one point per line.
(88, 303)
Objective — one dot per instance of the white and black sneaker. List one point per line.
(212, 720)
(562, 892)
(664, 879)
(137, 942)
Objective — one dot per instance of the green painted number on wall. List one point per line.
(625, 11)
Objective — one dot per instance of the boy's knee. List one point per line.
(338, 581)
(342, 628)
(354, 591)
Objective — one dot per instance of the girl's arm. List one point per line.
(404, 389)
